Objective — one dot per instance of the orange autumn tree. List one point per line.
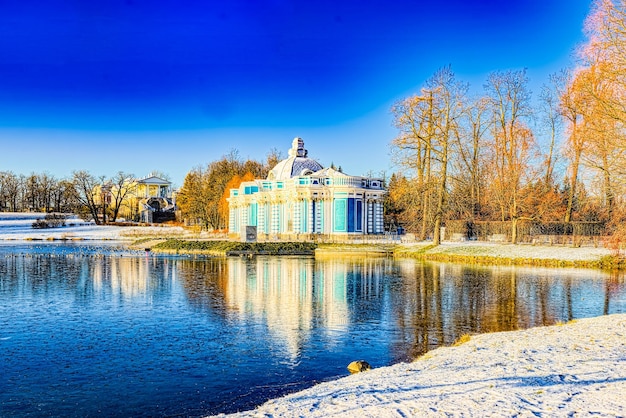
(604, 60)
(604, 151)
(594, 105)
(233, 183)
(202, 196)
(605, 52)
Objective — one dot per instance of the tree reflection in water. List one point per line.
(444, 301)
(413, 306)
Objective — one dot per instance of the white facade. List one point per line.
(301, 197)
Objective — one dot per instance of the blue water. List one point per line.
(92, 330)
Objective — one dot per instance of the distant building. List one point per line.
(149, 199)
(300, 197)
(154, 199)
(152, 186)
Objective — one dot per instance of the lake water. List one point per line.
(91, 330)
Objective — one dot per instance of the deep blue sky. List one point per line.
(141, 85)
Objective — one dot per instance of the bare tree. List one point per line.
(47, 183)
(572, 104)
(601, 82)
(9, 191)
(605, 52)
(63, 197)
(552, 120)
(428, 124)
(513, 140)
(85, 191)
(412, 150)
(121, 187)
(469, 162)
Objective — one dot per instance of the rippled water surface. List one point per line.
(96, 330)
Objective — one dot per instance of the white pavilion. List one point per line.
(300, 199)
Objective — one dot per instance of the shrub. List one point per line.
(51, 220)
(268, 248)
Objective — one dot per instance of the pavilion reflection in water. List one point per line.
(293, 295)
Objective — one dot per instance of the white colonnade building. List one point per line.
(300, 197)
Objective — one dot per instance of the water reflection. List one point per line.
(87, 275)
(441, 302)
(413, 306)
(133, 277)
(163, 328)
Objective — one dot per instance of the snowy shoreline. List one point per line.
(578, 368)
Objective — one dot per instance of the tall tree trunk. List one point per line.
(514, 221)
(426, 200)
(441, 196)
(572, 190)
(609, 197)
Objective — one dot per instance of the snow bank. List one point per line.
(574, 369)
(18, 226)
(547, 252)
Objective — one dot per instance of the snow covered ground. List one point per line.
(18, 226)
(523, 251)
(575, 369)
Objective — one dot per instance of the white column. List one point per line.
(260, 213)
(311, 220)
(304, 221)
(328, 216)
(274, 229)
(363, 216)
(378, 217)
(295, 220)
(318, 216)
(231, 219)
(284, 216)
(244, 216)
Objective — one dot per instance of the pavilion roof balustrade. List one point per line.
(309, 182)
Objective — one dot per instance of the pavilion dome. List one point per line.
(297, 164)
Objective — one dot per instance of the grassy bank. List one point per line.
(223, 248)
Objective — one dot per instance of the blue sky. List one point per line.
(141, 85)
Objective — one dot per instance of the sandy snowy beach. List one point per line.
(574, 369)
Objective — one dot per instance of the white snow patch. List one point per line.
(18, 226)
(526, 251)
(576, 369)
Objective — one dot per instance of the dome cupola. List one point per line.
(296, 164)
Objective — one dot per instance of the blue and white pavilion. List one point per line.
(300, 197)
